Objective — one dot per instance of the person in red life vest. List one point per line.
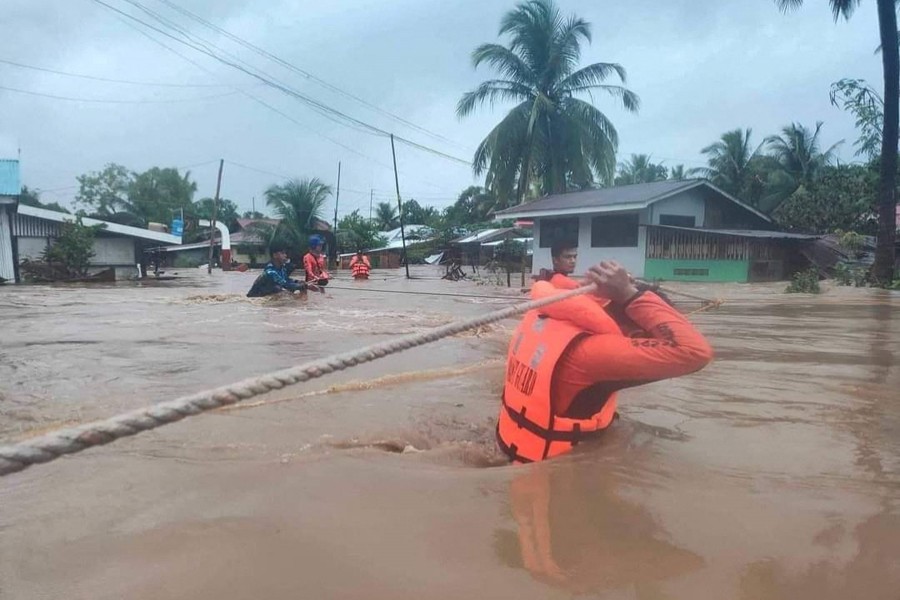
(567, 361)
(360, 265)
(314, 263)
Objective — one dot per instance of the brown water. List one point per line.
(772, 474)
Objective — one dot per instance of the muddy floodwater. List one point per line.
(772, 474)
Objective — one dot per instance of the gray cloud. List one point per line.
(701, 67)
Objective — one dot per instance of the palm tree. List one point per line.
(883, 269)
(299, 203)
(551, 135)
(730, 161)
(677, 173)
(797, 152)
(639, 169)
(386, 216)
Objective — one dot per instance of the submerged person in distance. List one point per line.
(276, 277)
(314, 263)
(360, 265)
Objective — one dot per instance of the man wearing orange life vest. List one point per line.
(314, 263)
(360, 265)
(567, 361)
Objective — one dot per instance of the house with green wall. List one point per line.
(686, 230)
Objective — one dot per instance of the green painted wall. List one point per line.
(719, 270)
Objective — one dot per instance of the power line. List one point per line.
(244, 92)
(101, 101)
(109, 80)
(327, 111)
(302, 72)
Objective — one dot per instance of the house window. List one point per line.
(678, 220)
(614, 231)
(553, 230)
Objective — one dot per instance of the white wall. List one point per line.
(631, 258)
(689, 204)
(108, 251)
(31, 247)
(113, 251)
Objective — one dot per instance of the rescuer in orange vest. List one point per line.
(314, 263)
(360, 265)
(566, 361)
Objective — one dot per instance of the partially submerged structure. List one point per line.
(479, 247)
(389, 255)
(672, 230)
(27, 231)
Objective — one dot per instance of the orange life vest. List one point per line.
(359, 268)
(314, 265)
(527, 429)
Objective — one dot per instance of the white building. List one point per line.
(674, 230)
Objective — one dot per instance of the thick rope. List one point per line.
(51, 446)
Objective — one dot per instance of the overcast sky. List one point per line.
(701, 67)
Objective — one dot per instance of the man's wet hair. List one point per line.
(277, 248)
(557, 248)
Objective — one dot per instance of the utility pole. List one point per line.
(371, 193)
(400, 207)
(254, 206)
(212, 222)
(337, 197)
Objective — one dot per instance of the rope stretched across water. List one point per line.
(51, 446)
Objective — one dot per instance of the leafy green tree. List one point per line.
(639, 169)
(842, 198)
(30, 197)
(158, 194)
(386, 216)
(474, 205)
(253, 214)
(105, 193)
(551, 136)
(356, 232)
(415, 213)
(299, 203)
(883, 269)
(859, 98)
(677, 173)
(227, 212)
(73, 249)
(729, 161)
(798, 154)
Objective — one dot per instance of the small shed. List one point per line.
(117, 247)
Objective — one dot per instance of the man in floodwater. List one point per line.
(567, 361)
(563, 255)
(314, 263)
(277, 276)
(360, 265)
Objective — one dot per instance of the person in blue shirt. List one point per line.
(276, 277)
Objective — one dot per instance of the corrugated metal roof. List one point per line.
(10, 182)
(58, 217)
(485, 235)
(612, 199)
(747, 233)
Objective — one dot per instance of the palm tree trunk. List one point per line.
(883, 269)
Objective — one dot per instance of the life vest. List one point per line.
(315, 267)
(527, 428)
(359, 268)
